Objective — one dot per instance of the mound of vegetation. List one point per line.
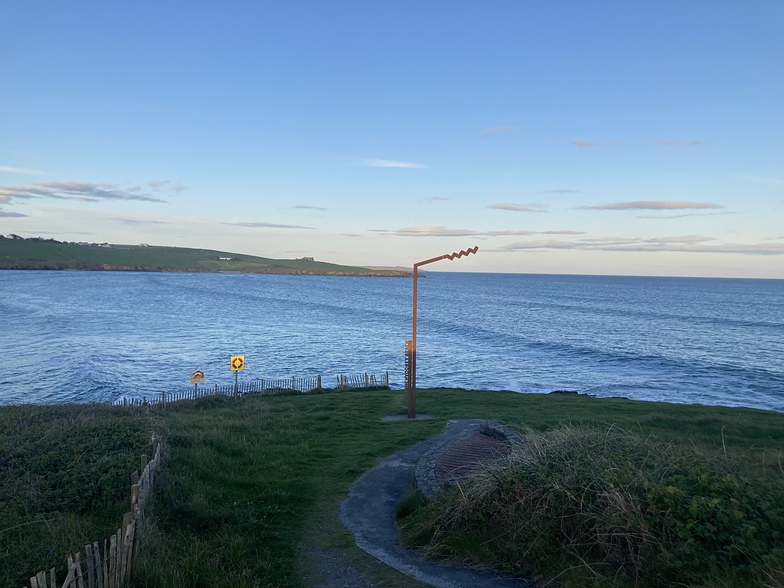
(580, 506)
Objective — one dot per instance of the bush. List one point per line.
(602, 507)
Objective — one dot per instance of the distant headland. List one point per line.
(37, 253)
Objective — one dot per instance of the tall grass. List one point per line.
(587, 506)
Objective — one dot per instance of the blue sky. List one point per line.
(639, 138)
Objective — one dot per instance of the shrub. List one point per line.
(600, 507)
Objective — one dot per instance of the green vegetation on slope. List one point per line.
(250, 488)
(64, 481)
(54, 255)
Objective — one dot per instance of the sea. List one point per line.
(68, 336)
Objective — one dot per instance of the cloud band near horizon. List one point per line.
(441, 231)
(266, 225)
(653, 205)
(69, 190)
(679, 244)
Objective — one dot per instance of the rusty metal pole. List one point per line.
(411, 380)
(411, 384)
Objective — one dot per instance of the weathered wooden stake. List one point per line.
(88, 550)
(98, 565)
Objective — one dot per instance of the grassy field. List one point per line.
(54, 255)
(251, 488)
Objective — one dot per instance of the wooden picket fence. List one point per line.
(263, 386)
(362, 381)
(110, 568)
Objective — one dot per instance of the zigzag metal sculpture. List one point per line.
(411, 345)
(461, 253)
(449, 256)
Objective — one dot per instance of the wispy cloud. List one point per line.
(560, 233)
(139, 222)
(82, 191)
(584, 144)
(671, 216)
(307, 207)
(432, 231)
(440, 231)
(265, 225)
(763, 180)
(652, 205)
(21, 170)
(539, 244)
(158, 185)
(678, 143)
(562, 191)
(437, 199)
(10, 214)
(654, 240)
(495, 130)
(682, 239)
(589, 144)
(680, 244)
(391, 163)
(518, 207)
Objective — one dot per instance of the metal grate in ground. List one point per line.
(467, 456)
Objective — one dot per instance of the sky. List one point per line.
(565, 137)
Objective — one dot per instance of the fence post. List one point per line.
(105, 564)
(127, 537)
(98, 565)
(88, 550)
(78, 564)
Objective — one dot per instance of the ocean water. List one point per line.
(99, 336)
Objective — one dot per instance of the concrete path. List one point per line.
(369, 513)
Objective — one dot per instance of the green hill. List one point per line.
(37, 253)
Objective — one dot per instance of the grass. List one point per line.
(605, 507)
(43, 254)
(64, 481)
(250, 488)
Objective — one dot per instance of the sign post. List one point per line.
(197, 377)
(237, 363)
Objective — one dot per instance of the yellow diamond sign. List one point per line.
(237, 363)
